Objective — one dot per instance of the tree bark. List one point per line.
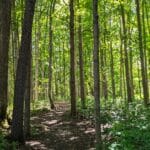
(36, 84)
(15, 38)
(5, 17)
(51, 54)
(128, 76)
(72, 61)
(17, 133)
(81, 66)
(142, 57)
(27, 100)
(96, 74)
(103, 59)
(112, 72)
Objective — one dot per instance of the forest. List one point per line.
(74, 75)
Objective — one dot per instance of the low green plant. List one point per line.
(125, 127)
(6, 145)
(131, 130)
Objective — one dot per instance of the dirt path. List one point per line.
(54, 130)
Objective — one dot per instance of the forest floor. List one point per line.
(55, 130)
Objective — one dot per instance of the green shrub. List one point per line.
(131, 130)
(5, 145)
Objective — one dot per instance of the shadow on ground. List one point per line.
(54, 130)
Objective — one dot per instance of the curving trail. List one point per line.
(54, 130)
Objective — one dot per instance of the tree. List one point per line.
(128, 75)
(96, 73)
(72, 61)
(37, 41)
(17, 132)
(5, 17)
(112, 72)
(52, 7)
(27, 100)
(142, 57)
(81, 65)
(15, 37)
(103, 58)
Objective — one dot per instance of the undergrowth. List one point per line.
(6, 145)
(123, 127)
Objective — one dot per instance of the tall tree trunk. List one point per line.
(96, 74)
(17, 132)
(121, 64)
(130, 50)
(148, 29)
(112, 72)
(123, 90)
(64, 71)
(37, 39)
(27, 100)
(51, 54)
(128, 77)
(15, 38)
(142, 57)
(82, 89)
(145, 47)
(72, 61)
(104, 59)
(5, 17)
(139, 80)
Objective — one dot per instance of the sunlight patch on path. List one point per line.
(36, 144)
(55, 130)
(50, 122)
(89, 130)
(73, 138)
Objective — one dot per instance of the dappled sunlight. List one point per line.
(45, 128)
(59, 113)
(89, 130)
(35, 117)
(56, 130)
(37, 144)
(82, 123)
(48, 115)
(33, 143)
(50, 122)
(65, 123)
(73, 138)
(64, 133)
